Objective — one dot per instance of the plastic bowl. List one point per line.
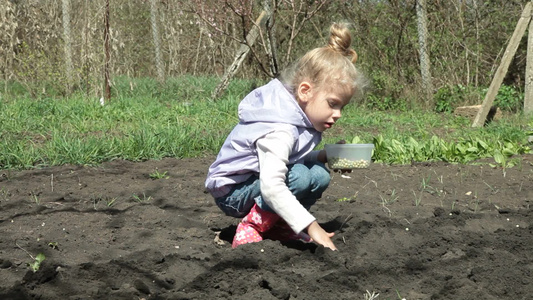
(349, 156)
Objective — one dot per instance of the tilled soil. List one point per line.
(420, 231)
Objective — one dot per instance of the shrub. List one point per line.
(385, 93)
(509, 98)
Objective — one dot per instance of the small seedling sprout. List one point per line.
(37, 260)
(492, 189)
(418, 198)
(395, 176)
(343, 199)
(392, 199)
(111, 202)
(371, 296)
(158, 175)
(424, 186)
(35, 199)
(399, 296)
(36, 264)
(144, 199)
(4, 193)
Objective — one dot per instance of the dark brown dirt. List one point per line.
(470, 237)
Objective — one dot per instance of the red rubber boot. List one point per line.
(253, 226)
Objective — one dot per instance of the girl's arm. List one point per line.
(274, 150)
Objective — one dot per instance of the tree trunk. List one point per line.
(107, 94)
(424, 56)
(68, 43)
(157, 44)
(8, 27)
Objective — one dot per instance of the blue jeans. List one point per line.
(305, 181)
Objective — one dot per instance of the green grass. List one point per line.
(145, 120)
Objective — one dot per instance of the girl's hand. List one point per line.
(320, 236)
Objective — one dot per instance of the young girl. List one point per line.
(267, 171)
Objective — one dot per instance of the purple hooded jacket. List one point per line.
(266, 109)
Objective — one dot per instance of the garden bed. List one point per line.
(132, 230)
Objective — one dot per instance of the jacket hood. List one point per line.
(272, 103)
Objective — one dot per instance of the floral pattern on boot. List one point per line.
(253, 225)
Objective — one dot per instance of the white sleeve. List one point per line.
(273, 151)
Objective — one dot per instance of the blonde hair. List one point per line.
(329, 66)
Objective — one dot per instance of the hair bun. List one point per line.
(340, 40)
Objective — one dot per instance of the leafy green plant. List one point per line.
(509, 98)
(504, 161)
(36, 263)
(436, 149)
(448, 97)
(529, 130)
(158, 175)
(343, 199)
(385, 93)
(385, 103)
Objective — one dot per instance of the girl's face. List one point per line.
(323, 106)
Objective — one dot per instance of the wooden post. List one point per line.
(510, 51)
(242, 53)
(271, 50)
(528, 94)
